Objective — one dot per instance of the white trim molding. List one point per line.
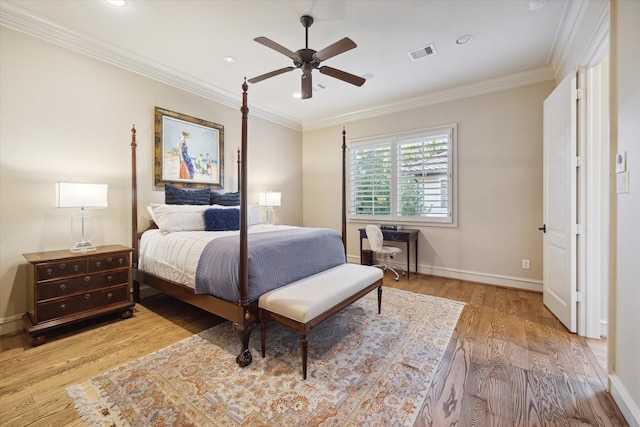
(11, 324)
(475, 276)
(623, 399)
(25, 21)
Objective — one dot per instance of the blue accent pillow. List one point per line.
(225, 199)
(181, 196)
(221, 219)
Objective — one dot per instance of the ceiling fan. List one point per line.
(308, 59)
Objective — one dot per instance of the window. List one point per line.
(405, 177)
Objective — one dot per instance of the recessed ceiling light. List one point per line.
(119, 3)
(463, 39)
(297, 95)
(229, 59)
(536, 5)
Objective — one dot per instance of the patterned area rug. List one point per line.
(363, 369)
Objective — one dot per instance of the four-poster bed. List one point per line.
(243, 312)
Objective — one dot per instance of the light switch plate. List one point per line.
(622, 182)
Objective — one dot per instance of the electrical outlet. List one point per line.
(526, 264)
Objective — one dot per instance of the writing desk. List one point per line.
(403, 235)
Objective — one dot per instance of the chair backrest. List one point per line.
(374, 235)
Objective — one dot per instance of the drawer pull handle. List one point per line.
(87, 296)
(62, 266)
(109, 295)
(109, 278)
(98, 264)
(87, 278)
(76, 268)
(63, 307)
(121, 261)
(109, 259)
(49, 271)
(63, 287)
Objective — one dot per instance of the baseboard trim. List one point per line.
(604, 327)
(623, 399)
(476, 276)
(11, 324)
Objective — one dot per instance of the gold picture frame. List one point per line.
(189, 152)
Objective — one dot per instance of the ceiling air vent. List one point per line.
(319, 87)
(423, 52)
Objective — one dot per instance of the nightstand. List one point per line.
(67, 287)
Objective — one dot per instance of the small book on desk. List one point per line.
(390, 227)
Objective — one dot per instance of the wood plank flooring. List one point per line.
(509, 363)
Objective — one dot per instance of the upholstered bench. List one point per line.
(306, 303)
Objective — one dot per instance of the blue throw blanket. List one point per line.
(275, 259)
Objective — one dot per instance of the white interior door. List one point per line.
(560, 203)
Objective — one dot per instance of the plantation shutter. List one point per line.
(371, 179)
(423, 176)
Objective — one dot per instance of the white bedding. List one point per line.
(174, 256)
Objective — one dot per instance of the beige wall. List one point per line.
(499, 184)
(624, 366)
(65, 116)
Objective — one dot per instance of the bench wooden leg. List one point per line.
(305, 349)
(379, 299)
(263, 336)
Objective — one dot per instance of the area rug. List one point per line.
(364, 368)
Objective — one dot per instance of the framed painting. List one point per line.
(189, 152)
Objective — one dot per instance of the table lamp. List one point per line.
(270, 199)
(84, 196)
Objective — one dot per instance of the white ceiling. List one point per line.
(184, 42)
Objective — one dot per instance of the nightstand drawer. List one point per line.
(108, 263)
(81, 302)
(56, 270)
(86, 283)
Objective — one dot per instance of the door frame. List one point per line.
(596, 145)
(593, 137)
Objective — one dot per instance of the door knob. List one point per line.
(543, 228)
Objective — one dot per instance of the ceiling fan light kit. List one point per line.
(308, 59)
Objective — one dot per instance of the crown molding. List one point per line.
(510, 81)
(22, 20)
(566, 32)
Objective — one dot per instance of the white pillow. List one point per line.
(254, 216)
(151, 214)
(171, 218)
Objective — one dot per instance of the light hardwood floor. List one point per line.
(509, 363)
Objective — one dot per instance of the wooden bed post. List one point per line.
(134, 198)
(344, 190)
(134, 213)
(238, 170)
(244, 329)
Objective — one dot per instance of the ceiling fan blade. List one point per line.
(343, 75)
(337, 48)
(307, 91)
(275, 46)
(271, 74)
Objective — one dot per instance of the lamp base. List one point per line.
(83, 247)
(271, 215)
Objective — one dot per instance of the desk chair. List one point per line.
(374, 236)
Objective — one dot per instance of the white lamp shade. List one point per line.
(81, 195)
(270, 198)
